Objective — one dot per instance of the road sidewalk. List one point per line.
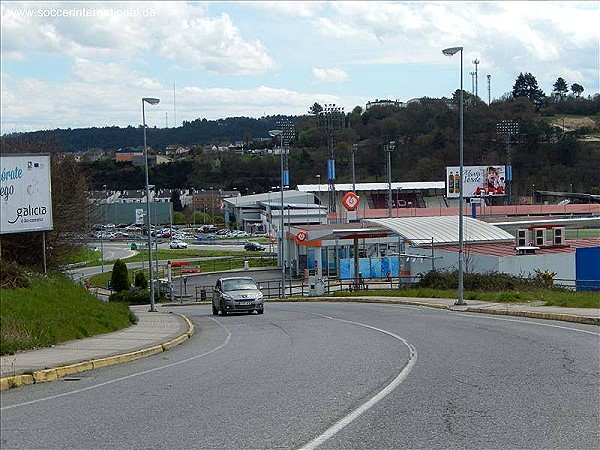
(155, 332)
(159, 331)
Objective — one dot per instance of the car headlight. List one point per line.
(259, 296)
(227, 297)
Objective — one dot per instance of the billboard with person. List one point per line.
(478, 181)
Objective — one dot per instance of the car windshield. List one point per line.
(238, 284)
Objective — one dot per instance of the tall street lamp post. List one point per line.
(150, 101)
(319, 178)
(353, 151)
(389, 148)
(449, 52)
(275, 133)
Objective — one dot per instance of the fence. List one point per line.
(299, 288)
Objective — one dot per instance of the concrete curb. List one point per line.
(54, 373)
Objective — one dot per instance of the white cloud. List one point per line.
(177, 30)
(215, 45)
(331, 75)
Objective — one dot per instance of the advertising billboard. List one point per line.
(478, 181)
(25, 193)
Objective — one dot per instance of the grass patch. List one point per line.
(550, 297)
(55, 310)
(166, 254)
(212, 265)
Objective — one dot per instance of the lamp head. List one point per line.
(274, 133)
(151, 100)
(451, 51)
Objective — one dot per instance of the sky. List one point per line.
(89, 64)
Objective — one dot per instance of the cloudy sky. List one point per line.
(69, 64)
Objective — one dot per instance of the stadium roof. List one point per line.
(402, 186)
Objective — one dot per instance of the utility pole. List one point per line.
(489, 78)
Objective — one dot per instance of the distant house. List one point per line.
(177, 150)
(383, 103)
(93, 154)
(153, 160)
(127, 154)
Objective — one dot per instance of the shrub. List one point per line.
(120, 276)
(12, 275)
(140, 280)
(490, 282)
(135, 296)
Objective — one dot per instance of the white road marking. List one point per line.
(348, 419)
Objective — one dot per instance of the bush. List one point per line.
(486, 282)
(13, 276)
(140, 280)
(120, 276)
(135, 296)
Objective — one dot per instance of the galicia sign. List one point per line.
(25, 193)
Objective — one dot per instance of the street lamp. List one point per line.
(150, 101)
(449, 52)
(102, 232)
(389, 148)
(319, 178)
(275, 133)
(353, 151)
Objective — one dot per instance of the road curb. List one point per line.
(54, 373)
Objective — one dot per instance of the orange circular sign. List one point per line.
(350, 201)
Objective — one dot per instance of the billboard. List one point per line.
(25, 193)
(478, 181)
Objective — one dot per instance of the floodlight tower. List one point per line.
(331, 120)
(287, 134)
(508, 128)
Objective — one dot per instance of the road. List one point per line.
(331, 375)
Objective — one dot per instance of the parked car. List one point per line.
(253, 247)
(178, 244)
(237, 294)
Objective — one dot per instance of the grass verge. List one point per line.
(55, 310)
(213, 265)
(550, 297)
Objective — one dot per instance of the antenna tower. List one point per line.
(476, 62)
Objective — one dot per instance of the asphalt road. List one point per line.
(331, 375)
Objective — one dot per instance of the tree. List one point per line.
(577, 89)
(560, 88)
(178, 218)
(315, 109)
(176, 200)
(140, 280)
(526, 86)
(120, 277)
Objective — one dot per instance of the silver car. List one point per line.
(237, 294)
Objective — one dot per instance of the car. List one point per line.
(237, 294)
(178, 244)
(253, 247)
